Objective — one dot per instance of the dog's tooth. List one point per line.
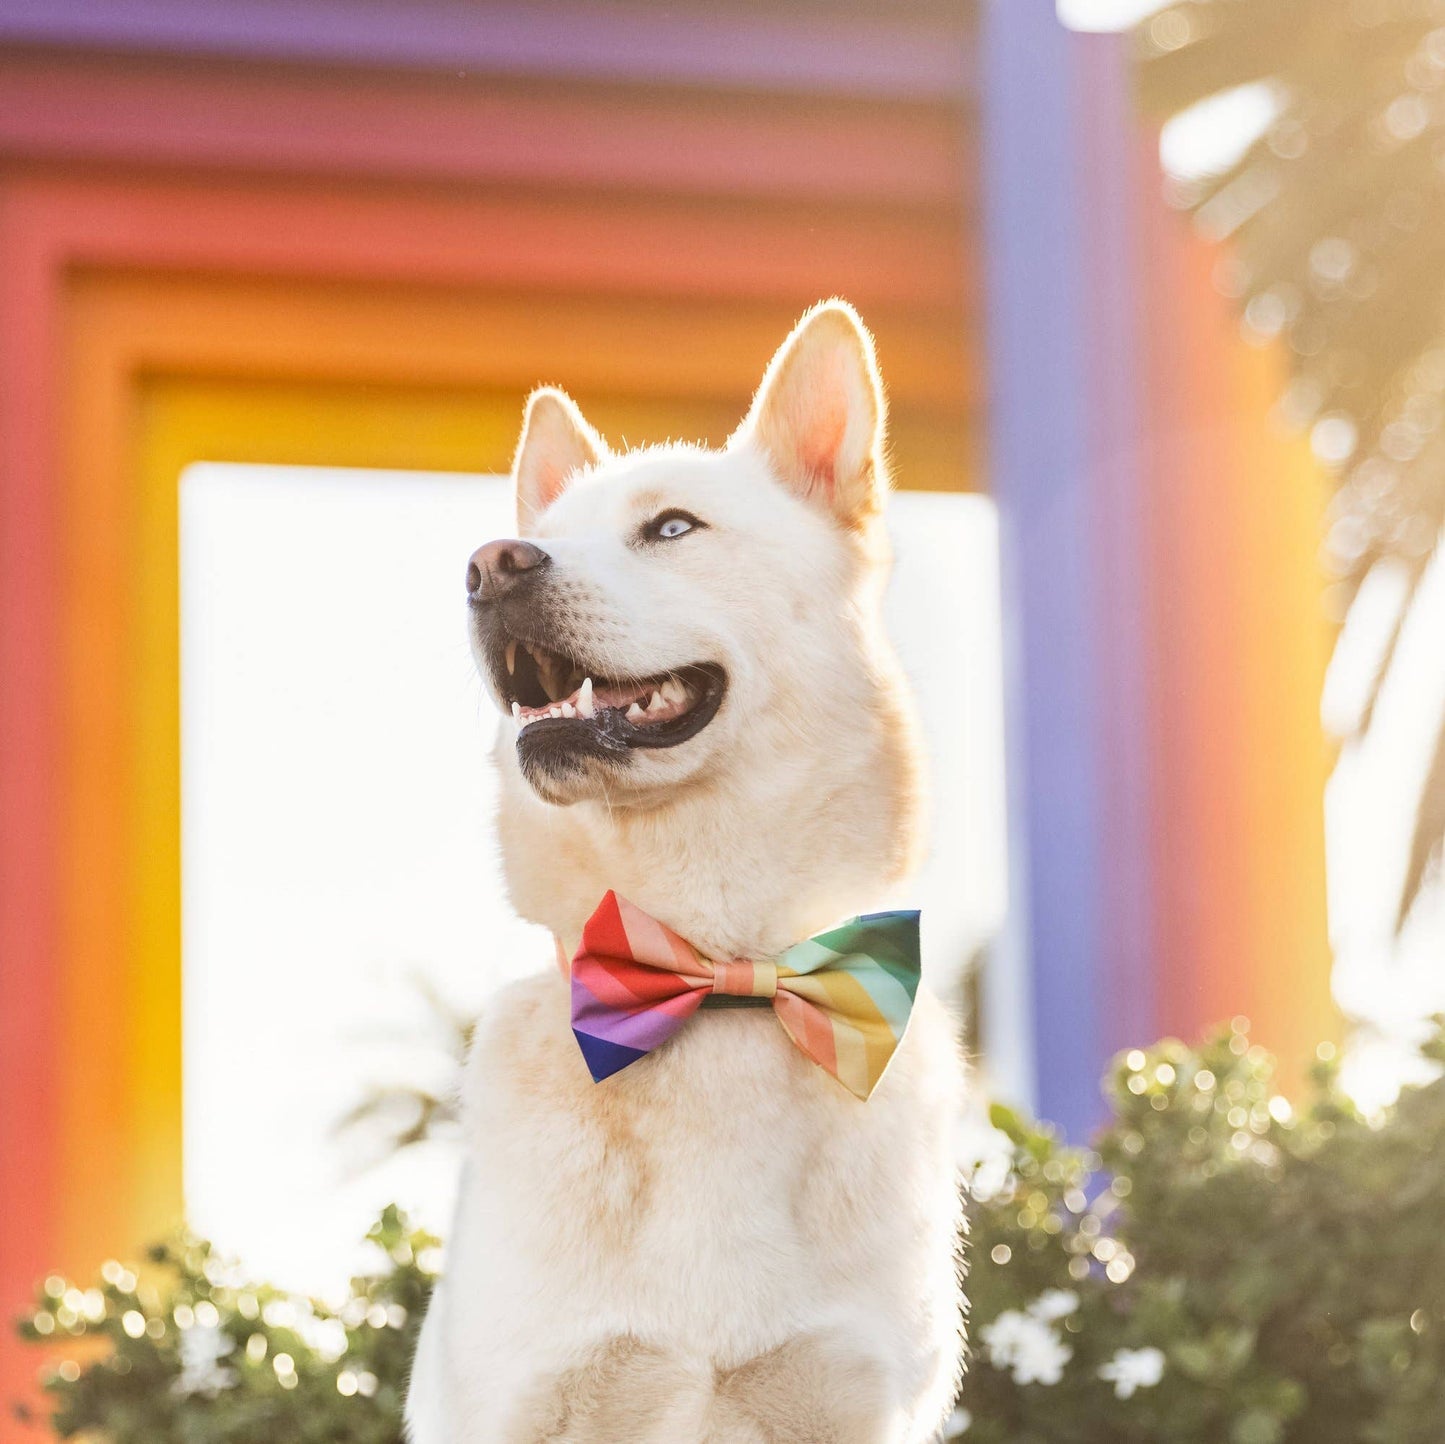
(635, 711)
(657, 704)
(586, 707)
(511, 658)
(516, 711)
(554, 711)
(568, 710)
(672, 691)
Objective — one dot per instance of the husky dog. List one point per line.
(720, 1243)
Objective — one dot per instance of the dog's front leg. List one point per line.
(428, 1400)
(625, 1392)
(818, 1388)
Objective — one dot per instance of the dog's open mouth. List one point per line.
(559, 702)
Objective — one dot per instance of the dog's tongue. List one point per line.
(621, 697)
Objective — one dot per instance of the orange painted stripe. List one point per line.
(1195, 818)
(1237, 766)
(1285, 766)
(420, 337)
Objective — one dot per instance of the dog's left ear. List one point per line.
(819, 416)
(556, 444)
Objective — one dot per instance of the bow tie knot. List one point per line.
(743, 979)
(844, 997)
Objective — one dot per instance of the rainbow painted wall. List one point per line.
(355, 232)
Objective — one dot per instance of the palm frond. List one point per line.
(1428, 843)
(1335, 220)
(1344, 256)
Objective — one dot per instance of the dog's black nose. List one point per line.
(500, 566)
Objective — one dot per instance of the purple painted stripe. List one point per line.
(864, 53)
(1041, 357)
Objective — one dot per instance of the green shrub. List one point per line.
(1281, 1275)
(1218, 1269)
(191, 1353)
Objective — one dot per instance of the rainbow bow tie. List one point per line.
(843, 997)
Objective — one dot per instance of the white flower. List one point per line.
(1132, 1369)
(203, 1346)
(986, 1157)
(989, 1179)
(1054, 1304)
(1027, 1346)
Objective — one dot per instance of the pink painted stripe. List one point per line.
(425, 128)
(891, 54)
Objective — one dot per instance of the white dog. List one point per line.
(720, 1243)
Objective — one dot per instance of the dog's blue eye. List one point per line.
(672, 524)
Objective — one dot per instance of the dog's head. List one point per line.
(669, 616)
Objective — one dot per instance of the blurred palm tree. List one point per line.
(1335, 217)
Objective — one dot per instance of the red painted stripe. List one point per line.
(29, 802)
(1231, 477)
(696, 248)
(672, 248)
(1201, 924)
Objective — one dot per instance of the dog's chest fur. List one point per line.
(723, 1195)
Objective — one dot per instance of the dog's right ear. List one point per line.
(819, 416)
(556, 443)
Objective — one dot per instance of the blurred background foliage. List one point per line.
(1335, 218)
(1220, 1268)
